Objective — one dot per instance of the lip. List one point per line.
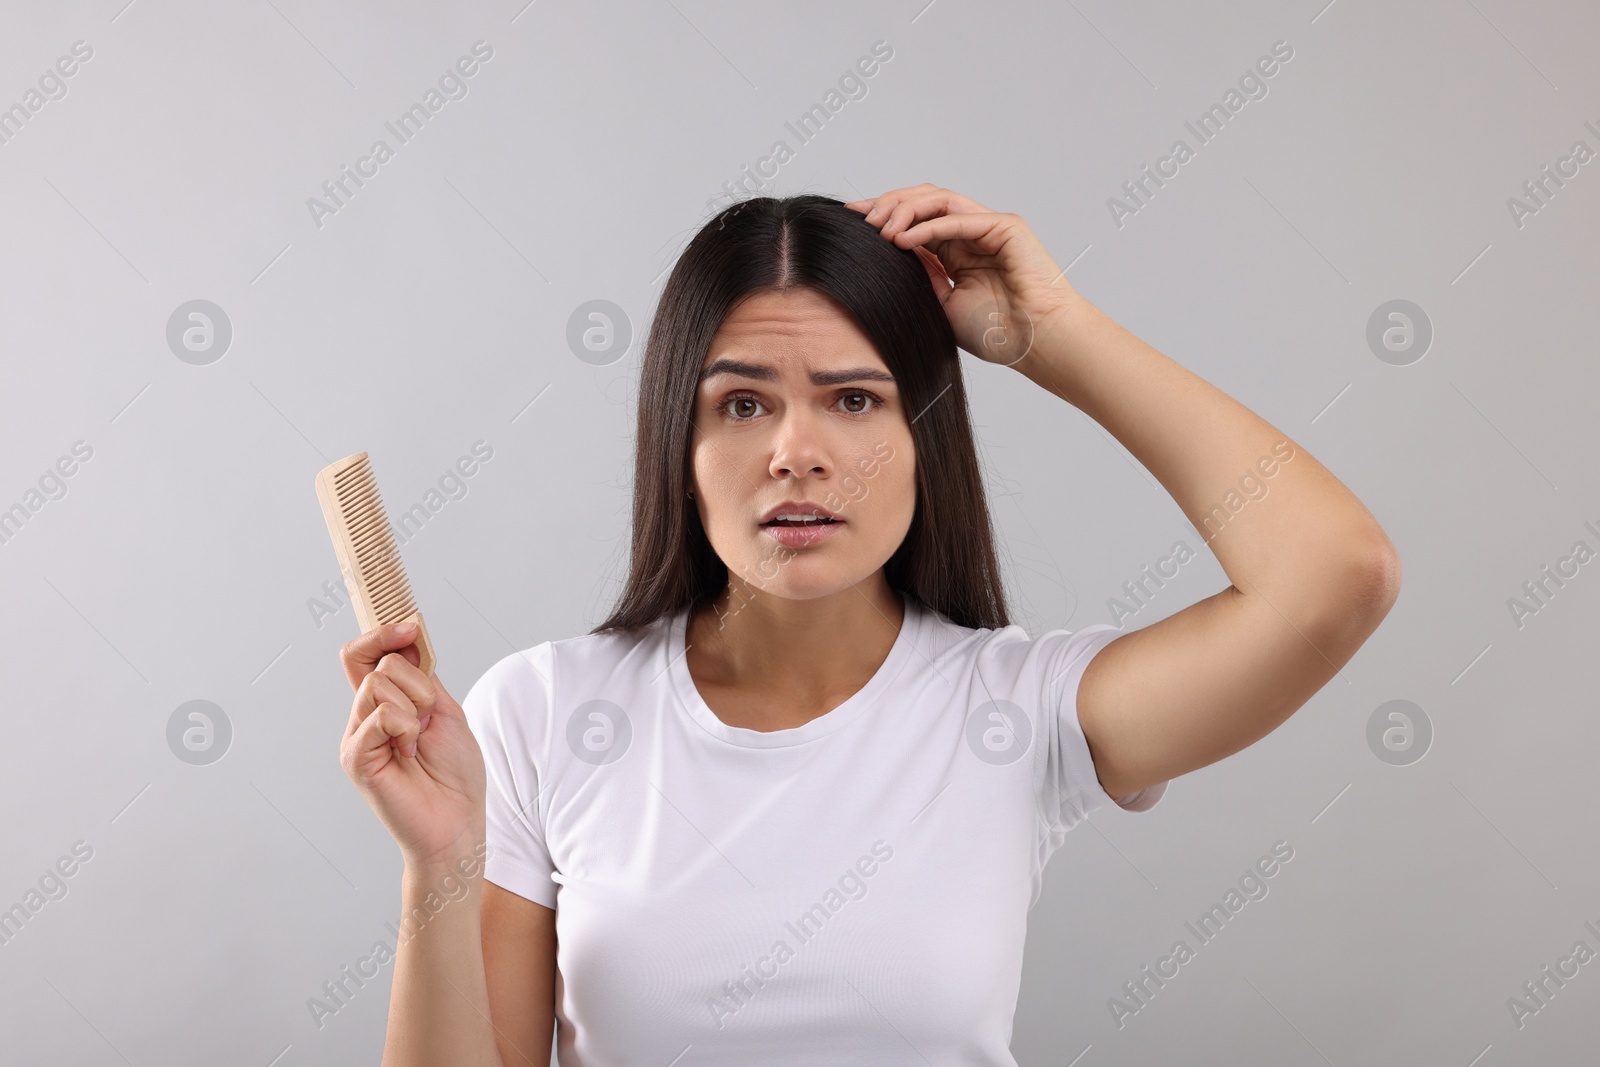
(797, 507)
(800, 536)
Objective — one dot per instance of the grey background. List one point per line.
(432, 310)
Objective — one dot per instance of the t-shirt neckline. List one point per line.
(690, 700)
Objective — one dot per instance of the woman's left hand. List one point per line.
(994, 277)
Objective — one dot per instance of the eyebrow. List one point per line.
(767, 374)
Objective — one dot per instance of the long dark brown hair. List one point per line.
(947, 560)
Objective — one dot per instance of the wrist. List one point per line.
(441, 897)
(463, 858)
(1058, 339)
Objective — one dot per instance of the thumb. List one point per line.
(444, 705)
(936, 272)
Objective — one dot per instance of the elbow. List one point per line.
(1365, 588)
(1376, 580)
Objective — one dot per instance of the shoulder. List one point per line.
(1008, 658)
(521, 687)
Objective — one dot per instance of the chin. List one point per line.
(809, 573)
(820, 582)
(806, 577)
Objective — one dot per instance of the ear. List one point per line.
(942, 285)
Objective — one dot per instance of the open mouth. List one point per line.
(809, 520)
(799, 529)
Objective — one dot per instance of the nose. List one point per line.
(798, 448)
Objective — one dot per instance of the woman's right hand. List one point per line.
(409, 750)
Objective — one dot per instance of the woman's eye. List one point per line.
(744, 408)
(850, 402)
(740, 407)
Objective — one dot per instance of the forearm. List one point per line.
(1278, 521)
(439, 1005)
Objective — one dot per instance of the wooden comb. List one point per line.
(368, 558)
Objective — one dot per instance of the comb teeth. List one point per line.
(377, 558)
(368, 556)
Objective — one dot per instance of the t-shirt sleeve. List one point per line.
(509, 712)
(1072, 787)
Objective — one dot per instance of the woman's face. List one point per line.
(795, 406)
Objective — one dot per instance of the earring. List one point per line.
(691, 494)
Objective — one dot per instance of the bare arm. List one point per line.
(474, 972)
(439, 1002)
(519, 951)
(474, 980)
(1312, 572)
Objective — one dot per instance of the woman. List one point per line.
(791, 802)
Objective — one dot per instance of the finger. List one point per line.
(937, 274)
(925, 201)
(883, 204)
(421, 688)
(361, 655)
(878, 207)
(986, 233)
(904, 192)
(898, 209)
(376, 689)
(387, 727)
(425, 692)
(901, 216)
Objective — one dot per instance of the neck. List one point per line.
(807, 652)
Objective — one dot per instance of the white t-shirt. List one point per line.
(851, 891)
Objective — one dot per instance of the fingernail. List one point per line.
(406, 629)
